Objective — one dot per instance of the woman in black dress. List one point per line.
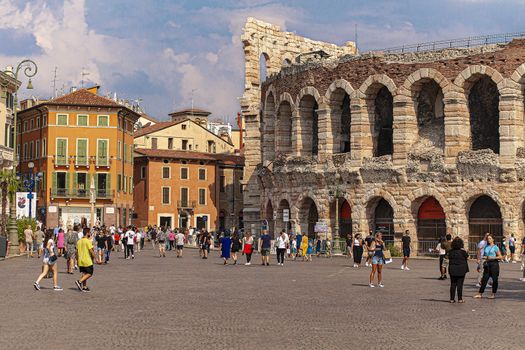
(457, 268)
(357, 249)
(236, 246)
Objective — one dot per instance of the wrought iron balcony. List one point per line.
(61, 160)
(104, 194)
(102, 161)
(60, 192)
(80, 193)
(81, 160)
(185, 204)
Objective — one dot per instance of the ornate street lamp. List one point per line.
(336, 193)
(29, 69)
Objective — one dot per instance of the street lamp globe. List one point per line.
(30, 165)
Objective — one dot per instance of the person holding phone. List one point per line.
(492, 256)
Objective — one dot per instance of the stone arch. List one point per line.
(372, 81)
(269, 121)
(431, 221)
(464, 79)
(307, 126)
(418, 196)
(267, 69)
(283, 129)
(338, 98)
(380, 216)
(285, 96)
(287, 59)
(484, 215)
(283, 203)
(469, 196)
(308, 215)
(268, 214)
(516, 86)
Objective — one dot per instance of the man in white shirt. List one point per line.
(179, 239)
(130, 235)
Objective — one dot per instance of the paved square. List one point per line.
(190, 303)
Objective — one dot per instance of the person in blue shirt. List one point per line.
(492, 256)
(299, 238)
(265, 243)
(225, 245)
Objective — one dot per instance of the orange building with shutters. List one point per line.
(74, 141)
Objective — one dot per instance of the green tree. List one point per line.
(9, 184)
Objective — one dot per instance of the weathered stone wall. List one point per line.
(434, 153)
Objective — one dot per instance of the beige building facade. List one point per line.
(431, 142)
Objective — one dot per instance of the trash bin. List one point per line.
(3, 246)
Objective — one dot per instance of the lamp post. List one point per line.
(29, 69)
(30, 186)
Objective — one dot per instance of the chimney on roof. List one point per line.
(73, 89)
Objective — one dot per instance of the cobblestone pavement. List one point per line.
(190, 303)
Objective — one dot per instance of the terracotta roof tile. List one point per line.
(165, 153)
(151, 119)
(83, 97)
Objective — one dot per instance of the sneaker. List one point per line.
(513, 261)
(371, 285)
(402, 267)
(248, 263)
(86, 290)
(79, 285)
(381, 285)
(133, 257)
(478, 285)
(267, 264)
(37, 286)
(407, 269)
(521, 279)
(366, 263)
(57, 288)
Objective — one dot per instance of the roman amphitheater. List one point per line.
(430, 141)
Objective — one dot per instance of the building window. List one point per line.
(82, 152)
(222, 183)
(143, 172)
(102, 152)
(184, 173)
(61, 152)
(44, 120)
(44, 150)
(31, 124)
(166, 172)
(119, 182)
(37, 149)
(25, 126)
(202, 196)
(82, 120)
(31, 146)
(166, 195)
(184, 144)
(211, 147)
(202, 174)
(131, 154)
(154, 143)
(119, 150)
(24, 156)
(124, 151)
(37, 122)
(62, 119)
(184, 197)
(170, 143)
(124, 184)
(6, 134)
(10, 101)
(103, 120)
(183, 126)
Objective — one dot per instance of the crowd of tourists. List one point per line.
(83, 247)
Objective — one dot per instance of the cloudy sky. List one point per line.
(161, 51)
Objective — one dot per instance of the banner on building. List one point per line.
(22, 204)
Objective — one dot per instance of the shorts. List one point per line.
(88, 270)
(370, 254)
(377, 260)
(179, 247)
(512, 249)
(406, 252)
(265, 251)
(441, 261)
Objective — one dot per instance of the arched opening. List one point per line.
(269, 215)
(263, 67)
(287, 62)
(431, 224)
(309, 217)
(384, 220)
(341, 120)
(269, 129)
(308, 133)
(283, 216)
(483, 103)
(283, 129)
(484, 216)
(430, 114)
(381, 111)
(345, 219)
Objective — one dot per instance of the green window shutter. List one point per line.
(108, 183)
(96, 181)
(102, 152)
(54, 181)
(82, 152)
(75, 181)
(125, 153)
(131, 184)
(67, 181)
(88, 183)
